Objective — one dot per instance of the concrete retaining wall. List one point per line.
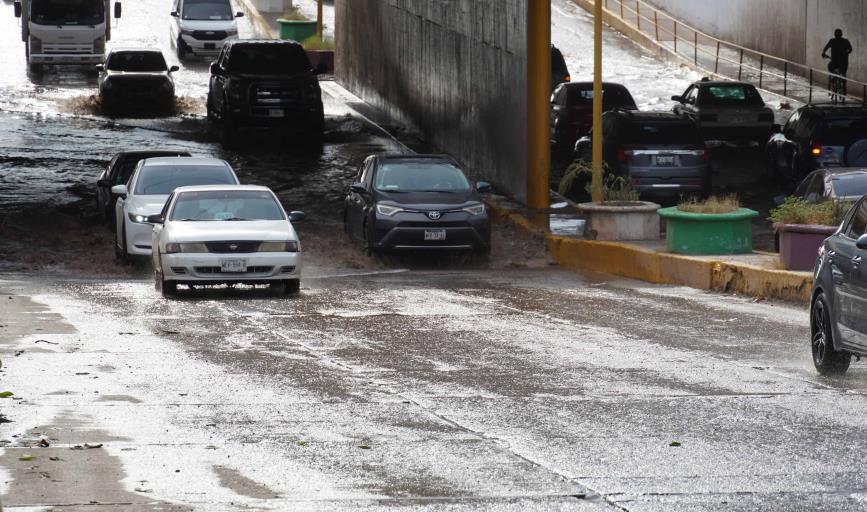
(452, 69)
(793, 29)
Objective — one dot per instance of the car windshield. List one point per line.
(421, 177)
(844, 128)
(734, 95)
(269, 58)
(227, 205)
(163, 179)
(668, 134)
(136, 61)
(853, 185)
(612, 97)
(67, 12)
(207, 10)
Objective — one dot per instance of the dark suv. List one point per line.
(265, 83)
(818, 136)
(664, 155)
(572, 109)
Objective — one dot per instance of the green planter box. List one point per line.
(296, 30)
(709, 233)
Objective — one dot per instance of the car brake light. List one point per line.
(621, 155)
(568, 78)
(816, 151)
(705, 155)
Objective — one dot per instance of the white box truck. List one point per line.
(65, 31)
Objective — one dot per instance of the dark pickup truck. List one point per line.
(265, 83)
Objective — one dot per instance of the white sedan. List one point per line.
(225, 235)
(149, 186)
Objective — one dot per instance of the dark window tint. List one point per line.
(851, 186)
(162, 179)
(124, 170)
(269, 58)
(730, 95)
(612, 97)
(218, 10)
(663, 133)
(136, 61)
(420, 177)
(67, 12)
(858, 226)
(224, 205)
(844, 128)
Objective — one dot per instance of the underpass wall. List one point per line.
(454, 70)
(795, 30)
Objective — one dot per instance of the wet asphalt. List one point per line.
(385, 385)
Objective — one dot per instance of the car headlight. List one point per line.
(387, 210)
(476, 209)
(173, 248)
(290, 246)
(138, 218)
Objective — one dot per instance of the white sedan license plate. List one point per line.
(434, 235)
(233, 265)
(665, 160)
(276, 112)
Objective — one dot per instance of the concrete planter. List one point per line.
(322, 57)
(296, 30)
(709, 233)
(621, 221)
(799, 244)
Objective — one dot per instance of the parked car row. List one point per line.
(200, 226)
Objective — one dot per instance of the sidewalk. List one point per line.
(265, 23)
(756, 274)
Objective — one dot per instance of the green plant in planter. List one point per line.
(713, 204)
(717, 225)
(318, 43)
(294, 14)
(795, 210)
(615, 189)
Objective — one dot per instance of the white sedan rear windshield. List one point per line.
(234, 205)
(163, 179)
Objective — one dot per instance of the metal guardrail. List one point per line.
(729, 60)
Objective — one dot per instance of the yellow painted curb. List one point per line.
(626, 260)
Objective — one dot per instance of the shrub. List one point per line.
(795, 210)
(615, 189)
(713, 204)
(318, 43)
(294, 14)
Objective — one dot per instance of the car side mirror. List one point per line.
(239, 14)
(483, 187)
(678, 99)
(17, 9)
(320, 69)
(155, 219)
(174, 68)
(861, 243)
(100, 67)
(215, 68)
(103, 183)
(358, 188)
(174, 14)
(297, 216)
(119, 190)
(118, 9)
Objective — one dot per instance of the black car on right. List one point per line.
(416, 202)
(818, 136)
(838, 308)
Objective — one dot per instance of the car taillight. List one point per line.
(816, 148)
(705, 155)
(568, 78)
(621, 155)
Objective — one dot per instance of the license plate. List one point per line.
(434, 235)
(737, 119)
(665, 160)
(233, 265)
(210, 46)
(276, 112)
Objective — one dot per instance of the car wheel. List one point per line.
(827, 360)
(168, 289)
(181, 49)
(121, 253)
(292, 287)
(228, 130)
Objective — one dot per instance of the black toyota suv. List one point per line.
(265, 83)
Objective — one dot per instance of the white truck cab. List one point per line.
(65, 31)
(200, 27)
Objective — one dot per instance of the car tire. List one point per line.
(826, 358)
(120, 252)
(291, 286)
(167, 289)
(180, 49)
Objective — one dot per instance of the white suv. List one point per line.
(200, 27)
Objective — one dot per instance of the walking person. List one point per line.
(840, 49)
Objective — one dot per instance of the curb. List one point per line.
(260, 24)
(625, 260)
